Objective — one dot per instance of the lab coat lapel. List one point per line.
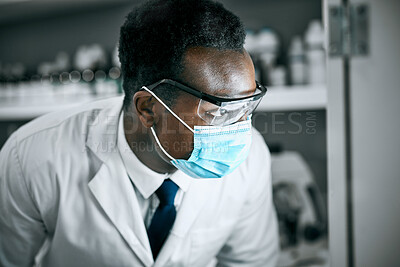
(112, 188)
(192, 203)
(114, 192)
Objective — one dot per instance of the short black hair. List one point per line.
(156, 35)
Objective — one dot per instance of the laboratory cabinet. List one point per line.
(362, 131)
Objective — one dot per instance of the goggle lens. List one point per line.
(227, 113)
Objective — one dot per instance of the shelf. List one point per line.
(35, 106)
(291, 98)
(294, 98)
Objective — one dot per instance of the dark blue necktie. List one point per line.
(164, 217)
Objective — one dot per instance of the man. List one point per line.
(173, 175)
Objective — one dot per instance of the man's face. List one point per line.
(226, 74)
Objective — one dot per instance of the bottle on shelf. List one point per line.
(315, 53)
(297, 64)
(114, 78)
(277, 76)
(267, 47)
(251, 46)
(250, 42)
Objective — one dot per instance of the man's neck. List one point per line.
(141, 144)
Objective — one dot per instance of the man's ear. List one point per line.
(144, 105)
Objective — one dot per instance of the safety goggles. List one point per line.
(217, 110)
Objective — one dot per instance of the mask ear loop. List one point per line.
(159, 144)
(173, 113)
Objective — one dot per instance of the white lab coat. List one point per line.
(62, 181)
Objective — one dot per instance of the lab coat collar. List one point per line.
(114, 192)
(102, 129)
(145, 179)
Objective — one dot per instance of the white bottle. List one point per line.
(250, 42)
(250, 45)
(267, 50)
(278, 76)
(297, 65)
(315, 53)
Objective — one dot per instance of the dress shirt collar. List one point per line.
(145, 180)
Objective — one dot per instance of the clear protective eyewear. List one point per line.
(220, 111)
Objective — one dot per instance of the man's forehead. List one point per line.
(225, 73)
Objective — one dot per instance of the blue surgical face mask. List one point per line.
(218, 150)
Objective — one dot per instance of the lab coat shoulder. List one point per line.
(59, 133)
(257, 168)
(83, 116)
(44, 165)
(19, 217)
(259, 156)
(46, 154)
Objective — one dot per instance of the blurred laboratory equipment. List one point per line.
(89, 74)
(115, 71)
(314, 39)
(115, 57)
(90, 57)
(305, 60)
(267, 47)
(277, 76)
(264, 48)
(251, 46)
(301, 212)
(297, 64)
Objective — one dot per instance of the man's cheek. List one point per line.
(180, 147)
(169, 125)
(183, 146)
(190, 118)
